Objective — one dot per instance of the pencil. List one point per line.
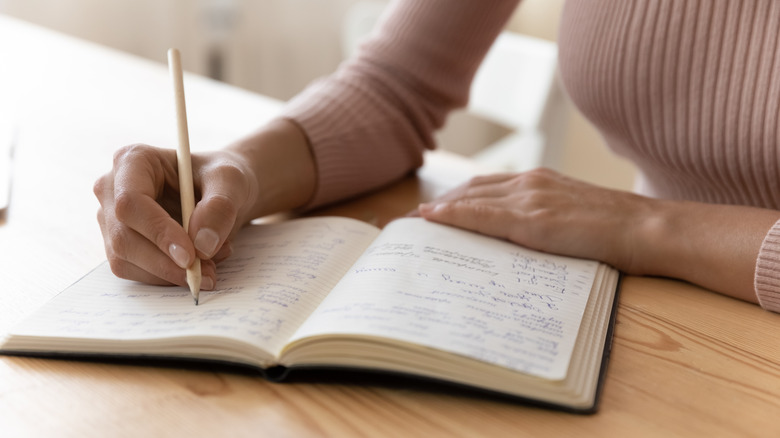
(184, 162)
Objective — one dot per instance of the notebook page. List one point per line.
(472, 295)
(276, 276)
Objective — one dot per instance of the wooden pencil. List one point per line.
(184, 162)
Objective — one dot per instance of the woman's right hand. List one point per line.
(140, 210)
(140, 213)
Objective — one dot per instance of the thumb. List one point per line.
(211, 223)
(227, 188)
(224, 190)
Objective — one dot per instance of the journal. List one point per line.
(415, 298)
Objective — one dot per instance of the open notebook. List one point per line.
(416, 298)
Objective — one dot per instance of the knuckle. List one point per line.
(478, 180)
(118, 266)
(480, 210)
(543, 172)
(118, 242)
(130, 151)
(475, 212)
(231, 173)
(160, 233)
(541, 215)
(222, 205)
(236, 177)
(100, 187)
(536, 203)
(124, 206)
(534, 177)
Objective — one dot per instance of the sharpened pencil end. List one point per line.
(195, 291)
(193, 280)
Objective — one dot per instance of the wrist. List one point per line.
(712, 245)
(280, 161)
(654, 247)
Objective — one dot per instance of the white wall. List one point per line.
(275, 47)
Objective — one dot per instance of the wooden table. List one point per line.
(685, 362)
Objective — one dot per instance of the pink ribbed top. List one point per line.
(687, 90)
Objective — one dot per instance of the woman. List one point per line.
(688, 90)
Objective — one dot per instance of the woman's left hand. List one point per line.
(547, 211)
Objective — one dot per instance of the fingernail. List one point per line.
(207, 283)
(206, 241)
(179, 255)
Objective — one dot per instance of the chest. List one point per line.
(686, 89)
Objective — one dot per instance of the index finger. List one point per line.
(142, 176)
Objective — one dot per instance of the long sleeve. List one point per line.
(369, 123)
(686, 90)
(689, 92)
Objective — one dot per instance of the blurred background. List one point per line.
(275, 47)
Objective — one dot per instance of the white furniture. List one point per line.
(515, 87)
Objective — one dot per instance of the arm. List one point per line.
(715, 246)
(364, 126)
(369, 123)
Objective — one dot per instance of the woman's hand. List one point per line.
(140, 213)
(712, 245)
(140, 209)
(547, 211)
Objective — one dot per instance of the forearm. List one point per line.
(715, 246)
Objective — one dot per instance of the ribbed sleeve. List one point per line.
(690, 92)
(687, 90)
(369, 123)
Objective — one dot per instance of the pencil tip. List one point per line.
(193, 280)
